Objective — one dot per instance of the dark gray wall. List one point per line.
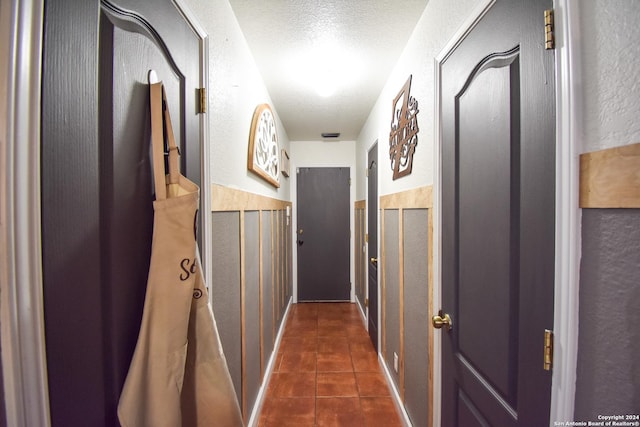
(391, 271)
(282, 266)
(225, 290)
(252, 305)
(608, 371)
(267, 286)
(416, 314)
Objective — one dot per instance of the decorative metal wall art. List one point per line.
(403, 137)
(264, 152)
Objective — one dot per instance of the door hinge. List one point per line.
(349, 182)
(202, 100)
(548, 350)
(366, 238)
(366, 302)
(549, 37)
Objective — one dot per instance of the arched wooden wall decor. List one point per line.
(403, 137)
(264, 151)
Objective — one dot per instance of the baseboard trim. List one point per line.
(395, 394)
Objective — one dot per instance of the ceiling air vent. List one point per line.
(330, 134)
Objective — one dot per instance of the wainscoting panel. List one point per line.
(417, 324)
(225, 290)
(406, 251)
(251, 289)
(268, 323)
(609, 293)
(608, 367)
(251, 349)
(391, 292)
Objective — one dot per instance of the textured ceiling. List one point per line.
(294, 41)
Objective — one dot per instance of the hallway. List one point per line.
(327, 373)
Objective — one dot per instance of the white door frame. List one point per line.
(567, 235)
(21, 310)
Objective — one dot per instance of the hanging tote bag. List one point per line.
(178, 374)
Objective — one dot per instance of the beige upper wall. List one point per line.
(235, 89)
(439, 22)
(610, 51)
(610, 70)
(609, 84)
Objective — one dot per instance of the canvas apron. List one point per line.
(178, 375)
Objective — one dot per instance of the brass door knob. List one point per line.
(442, 320)
(373, 260)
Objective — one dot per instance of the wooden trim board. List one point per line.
(231, 199)
(421, 197)
(401, 299)
(610, 178)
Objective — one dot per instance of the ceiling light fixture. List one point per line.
(326, 68)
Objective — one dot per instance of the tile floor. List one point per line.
(327, 373)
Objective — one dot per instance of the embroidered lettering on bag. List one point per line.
(197, 293)
(189, 268)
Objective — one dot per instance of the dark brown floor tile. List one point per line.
(361, 346)
(365, 361)
(301, 319)
(308, 386)
(361, 338)
(333, 344)
(332, 324)
(380, 412)
(305, 310)
(371, 384)
(290, 384)
(298, 412)
(338, 411)
(331, 331)
(294, 361)
(299, 343)
(337, 384)
(355, 329)
(301, 329)
(334, 362)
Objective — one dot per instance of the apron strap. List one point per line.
(174, 151)
(158, 106)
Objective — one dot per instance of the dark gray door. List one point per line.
(498, 180)
(97, 188)
(372, 246)
(323, 234)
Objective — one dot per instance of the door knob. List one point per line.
(442, 319)
(373, 260)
